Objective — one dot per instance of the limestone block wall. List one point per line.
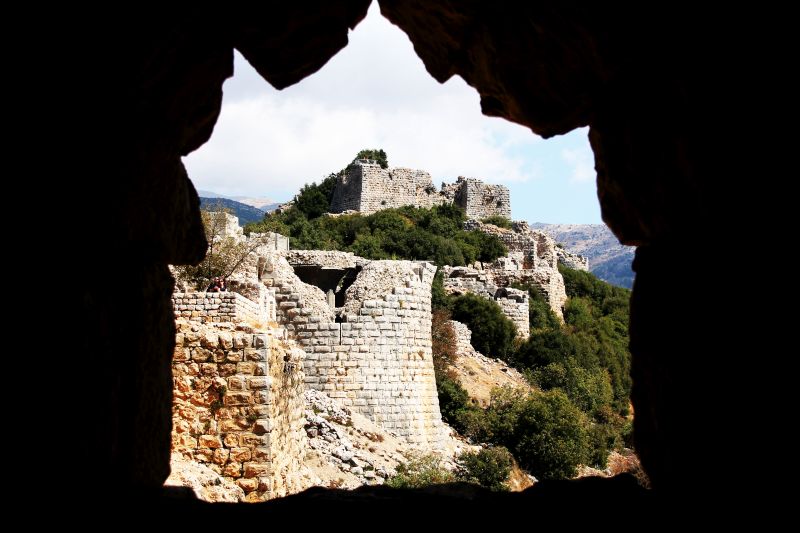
(548, 280)
(222, 307)
(366, 187)
(461, 280)
(514, 304)
(378, 360)
(272, 241)
(297, 302)
(238, 406)
(481, 200)
(463, 337)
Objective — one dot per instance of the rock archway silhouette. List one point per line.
(642, 87)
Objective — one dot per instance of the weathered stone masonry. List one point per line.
(480, 200)
(513, 302)
(376, 359)
(367, 188)
(222, 307)
(238, 406)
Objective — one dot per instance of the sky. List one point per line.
(375, 93)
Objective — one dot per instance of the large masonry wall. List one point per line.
(238, 406)
(378, 360)
(367, 188)
(222, 307)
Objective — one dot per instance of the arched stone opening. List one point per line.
(644, 93)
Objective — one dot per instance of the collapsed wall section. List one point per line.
(513, 302)
(532, 258)
(481, 200)
(378, 360)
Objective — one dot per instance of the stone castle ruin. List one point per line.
(366, 187)
(354, 329)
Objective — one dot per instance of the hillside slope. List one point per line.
(246, 213)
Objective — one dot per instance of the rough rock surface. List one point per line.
(347, 450)
(207, 485)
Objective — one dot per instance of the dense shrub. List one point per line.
(421, 471)
(490, 467)
(492, 333)
(434, 234)
(377, 154)
(314, 200)
(498, 220)
(545, 431)
(443, 339)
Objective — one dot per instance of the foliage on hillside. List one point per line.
(582, 368)
(433, 234)
(492, 333)
(488, 467)
(498, 220)
(245, 213)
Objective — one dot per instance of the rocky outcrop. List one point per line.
(206, 484)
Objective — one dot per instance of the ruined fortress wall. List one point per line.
(481, 200)
(514, 304)
(323, 258)
(347, 193)
(297, 302)
(570, 260)
(238, 406)
(366, 187)
(548, 280)
(378, 362)
(221, 307)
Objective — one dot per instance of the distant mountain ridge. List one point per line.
(246, 213)
(264, 204)
(608, 259)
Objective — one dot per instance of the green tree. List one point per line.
(498, 220)
(421, 471)
(225, 252)
(492, 333)
(489, 467)
(376, 154)
(315, 200)
(545, 431)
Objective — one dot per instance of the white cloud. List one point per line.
(581, 161)
(373, 94)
